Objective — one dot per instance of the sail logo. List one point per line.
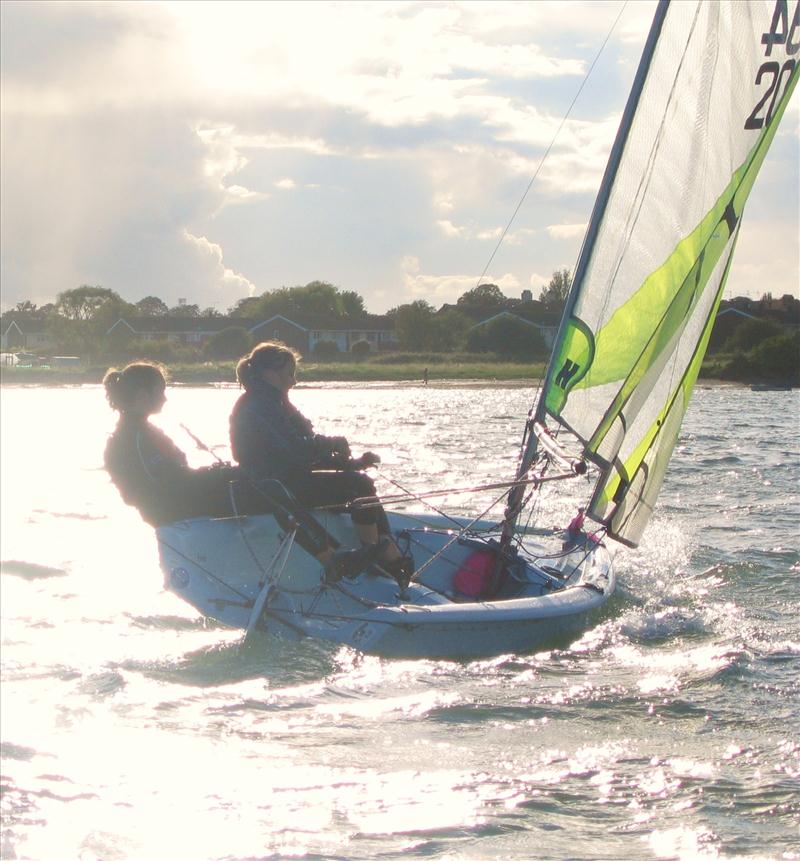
(567, 372)
(772, 74)
(179, 577)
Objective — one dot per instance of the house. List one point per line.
(547, 329)
(742, 303)
(301, 331)
(180, 330)
(726, 323)
(786, 309)
(25, 333)
(305, 332)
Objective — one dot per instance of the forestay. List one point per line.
(713, 83)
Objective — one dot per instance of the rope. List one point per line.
(367, 502)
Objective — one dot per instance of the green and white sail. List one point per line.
(712, 86)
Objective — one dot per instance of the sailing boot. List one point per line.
(351, 563)
(401, 569)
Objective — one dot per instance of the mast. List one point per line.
(532, 440)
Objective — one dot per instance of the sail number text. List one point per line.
(772, 74)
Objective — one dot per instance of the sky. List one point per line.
(212, 151)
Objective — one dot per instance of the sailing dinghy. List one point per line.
(712, 85)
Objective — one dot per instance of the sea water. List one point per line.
(133, 729)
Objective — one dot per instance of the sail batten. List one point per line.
(711, 89)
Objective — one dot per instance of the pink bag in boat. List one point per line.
(474, 578)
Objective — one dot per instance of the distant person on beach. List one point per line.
(272, 439)
(152, 473)
(425, 377)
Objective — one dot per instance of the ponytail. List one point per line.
(244, 371)
(122, 386)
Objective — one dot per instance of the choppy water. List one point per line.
(132, 730)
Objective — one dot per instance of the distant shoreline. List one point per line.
(439, 376)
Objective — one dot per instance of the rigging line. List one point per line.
(411, 495)
(201, 445)
(286, 544)
(552, 142)
(243, 536)
(463, 531)
(368, 502)
(307, 526)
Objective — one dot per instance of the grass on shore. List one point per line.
(309, 372)
(387, 368)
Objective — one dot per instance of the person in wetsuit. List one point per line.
(272, 439)
(152, 473)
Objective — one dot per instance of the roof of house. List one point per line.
(327, 323)
(178, 325)
(539, 324)
(23, 324)
(735, 311)
(210, 325)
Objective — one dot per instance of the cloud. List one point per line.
(228, 281)
(441, 289)
(566, 231)
(240, 194)
(537, 282)
(449, 229)
(71, 214)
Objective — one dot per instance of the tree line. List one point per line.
(80, 318)
(77, 323)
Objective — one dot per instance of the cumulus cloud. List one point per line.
(230, 283)
(520, 237)
(71, 214)
(449, 229)
(537, 282)
(441, 289)
(240, 194)
(566, 231)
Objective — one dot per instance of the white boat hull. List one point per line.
(248, 573)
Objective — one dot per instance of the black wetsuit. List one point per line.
(272, 439)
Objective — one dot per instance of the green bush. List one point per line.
(159, 351)
(777, 359)
(750, 334)
(232, 342)
(360, 349)
(508, 337)
(326, 350)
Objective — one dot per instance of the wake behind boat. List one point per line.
(711, 88)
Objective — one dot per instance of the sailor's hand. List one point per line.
(369, 458)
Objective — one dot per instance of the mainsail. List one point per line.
(712, 86)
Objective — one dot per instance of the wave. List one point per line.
(173, 623)
(30, 570)
(72, 515)
(17, 751)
